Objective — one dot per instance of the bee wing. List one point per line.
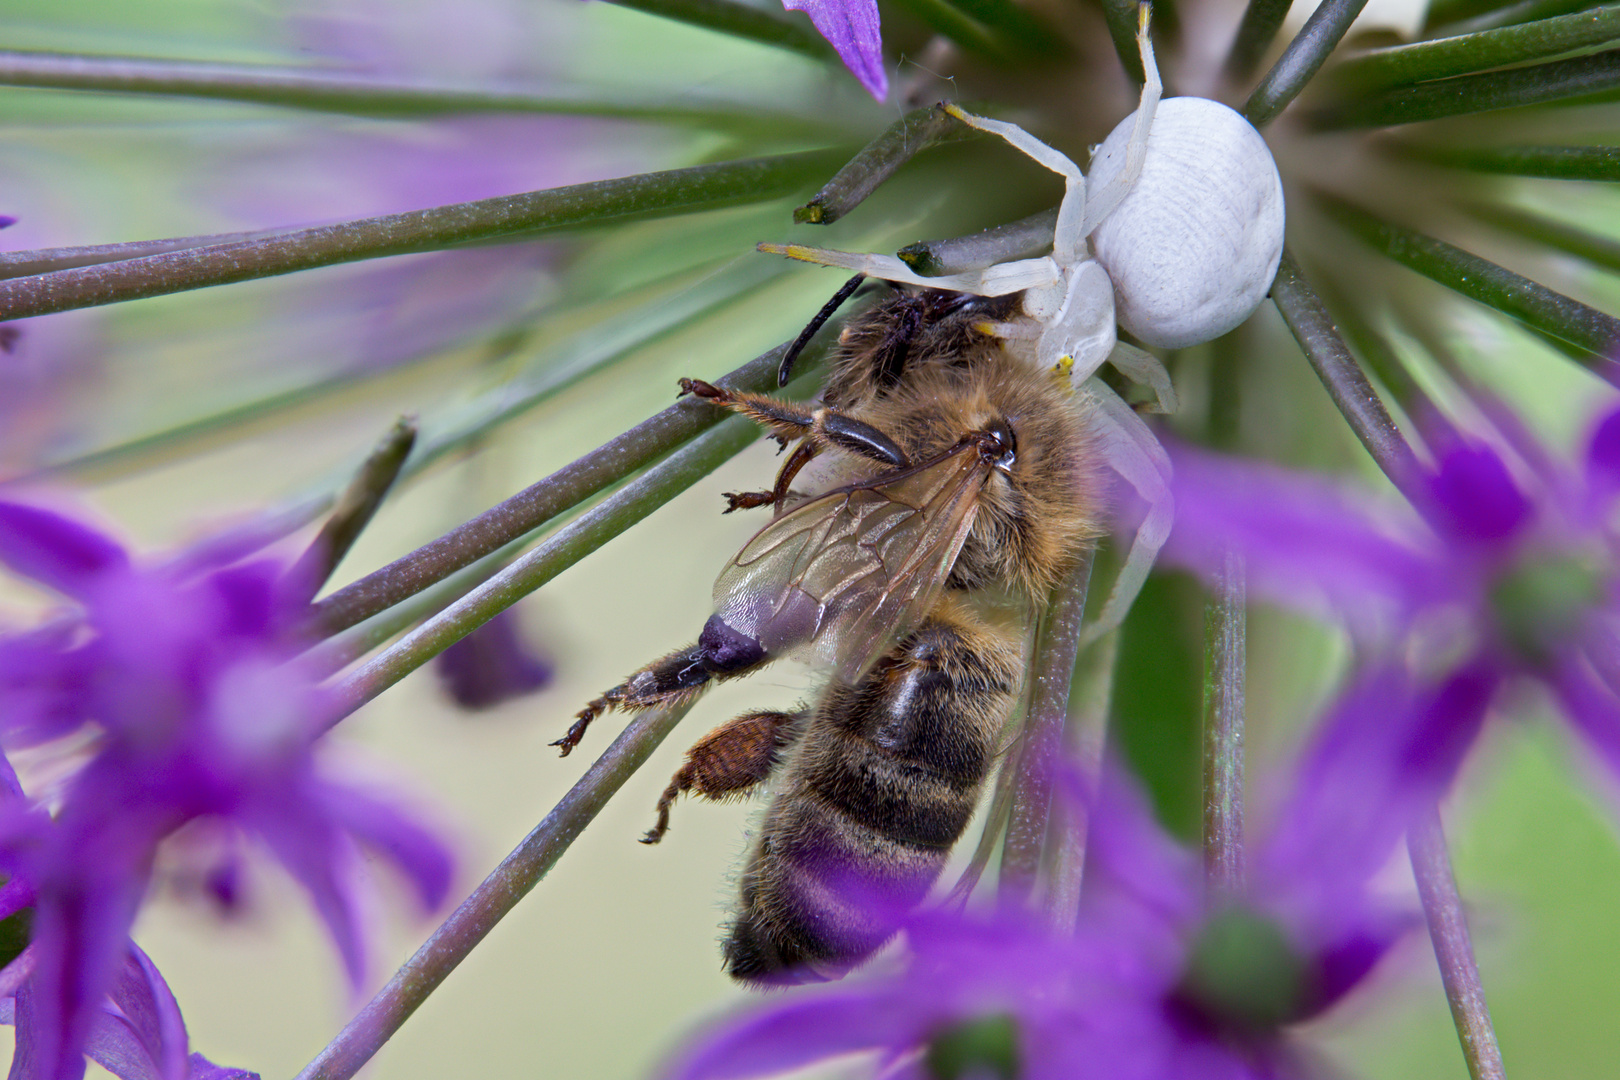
(836, 579)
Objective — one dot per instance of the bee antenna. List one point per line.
(785, 372)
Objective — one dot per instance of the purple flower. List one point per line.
(137, 1033)
(184, 683)
(852, 27)
(491, 665)
(1153, 985)
(1505, 571)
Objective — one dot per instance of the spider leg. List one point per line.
(998, 280)
(1135, 454)
(1145, 369)
(1068, 238)
(1109, 195)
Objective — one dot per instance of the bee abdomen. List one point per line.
(886, 779)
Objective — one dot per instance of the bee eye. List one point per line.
(1002, 446)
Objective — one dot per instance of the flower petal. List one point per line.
(1594, 710)
(1474, 498)
(794, 1034)
(54, 549)
(148, 1005)
(80, 931)
(1306, 541)
(319, 859)
(203, 1069)
(491, 665)
(852, 27)
(1388, 750)
(1603, 457)
(389, 830)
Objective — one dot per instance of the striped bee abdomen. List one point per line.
(881, 786)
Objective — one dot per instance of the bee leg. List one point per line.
(719, 653)
(821, 427)
(728, 761)
(747, 500)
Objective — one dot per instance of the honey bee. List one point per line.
(956, 477)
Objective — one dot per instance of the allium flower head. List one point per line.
(184, 683)
(1492, 579)
(1156, 984)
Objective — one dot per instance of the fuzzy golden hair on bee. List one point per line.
(1036, 516)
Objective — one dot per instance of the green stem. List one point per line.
(1084, 737)
(1524, 11)
(363, 95)
(1261, 21)
(1559, 82)
(499, 893)
(1497, 287)
(43, 260)
(877, 161)
(1020, 239)
(778, 30)
(337, 652)
(567, 546)
(511, 217)
(1453, 950)
(1302, 59)
(1051, 672)
(1594, 248)
(354, 509)
(537, 504)
(1017, 26)
(1424, 60)
(1225, 633)
(1550, 162)
(1346, 384)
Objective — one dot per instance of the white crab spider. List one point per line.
(1176, 236)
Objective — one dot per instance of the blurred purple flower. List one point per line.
(58, 394)
(185, 682)
(852, 28)
(1152, 986)
(1484, 584)
(137, 1033)
(491, 665)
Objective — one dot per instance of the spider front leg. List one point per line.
(1081, 208)
(1133, 452)
(1002, 279)
(1107, 197)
